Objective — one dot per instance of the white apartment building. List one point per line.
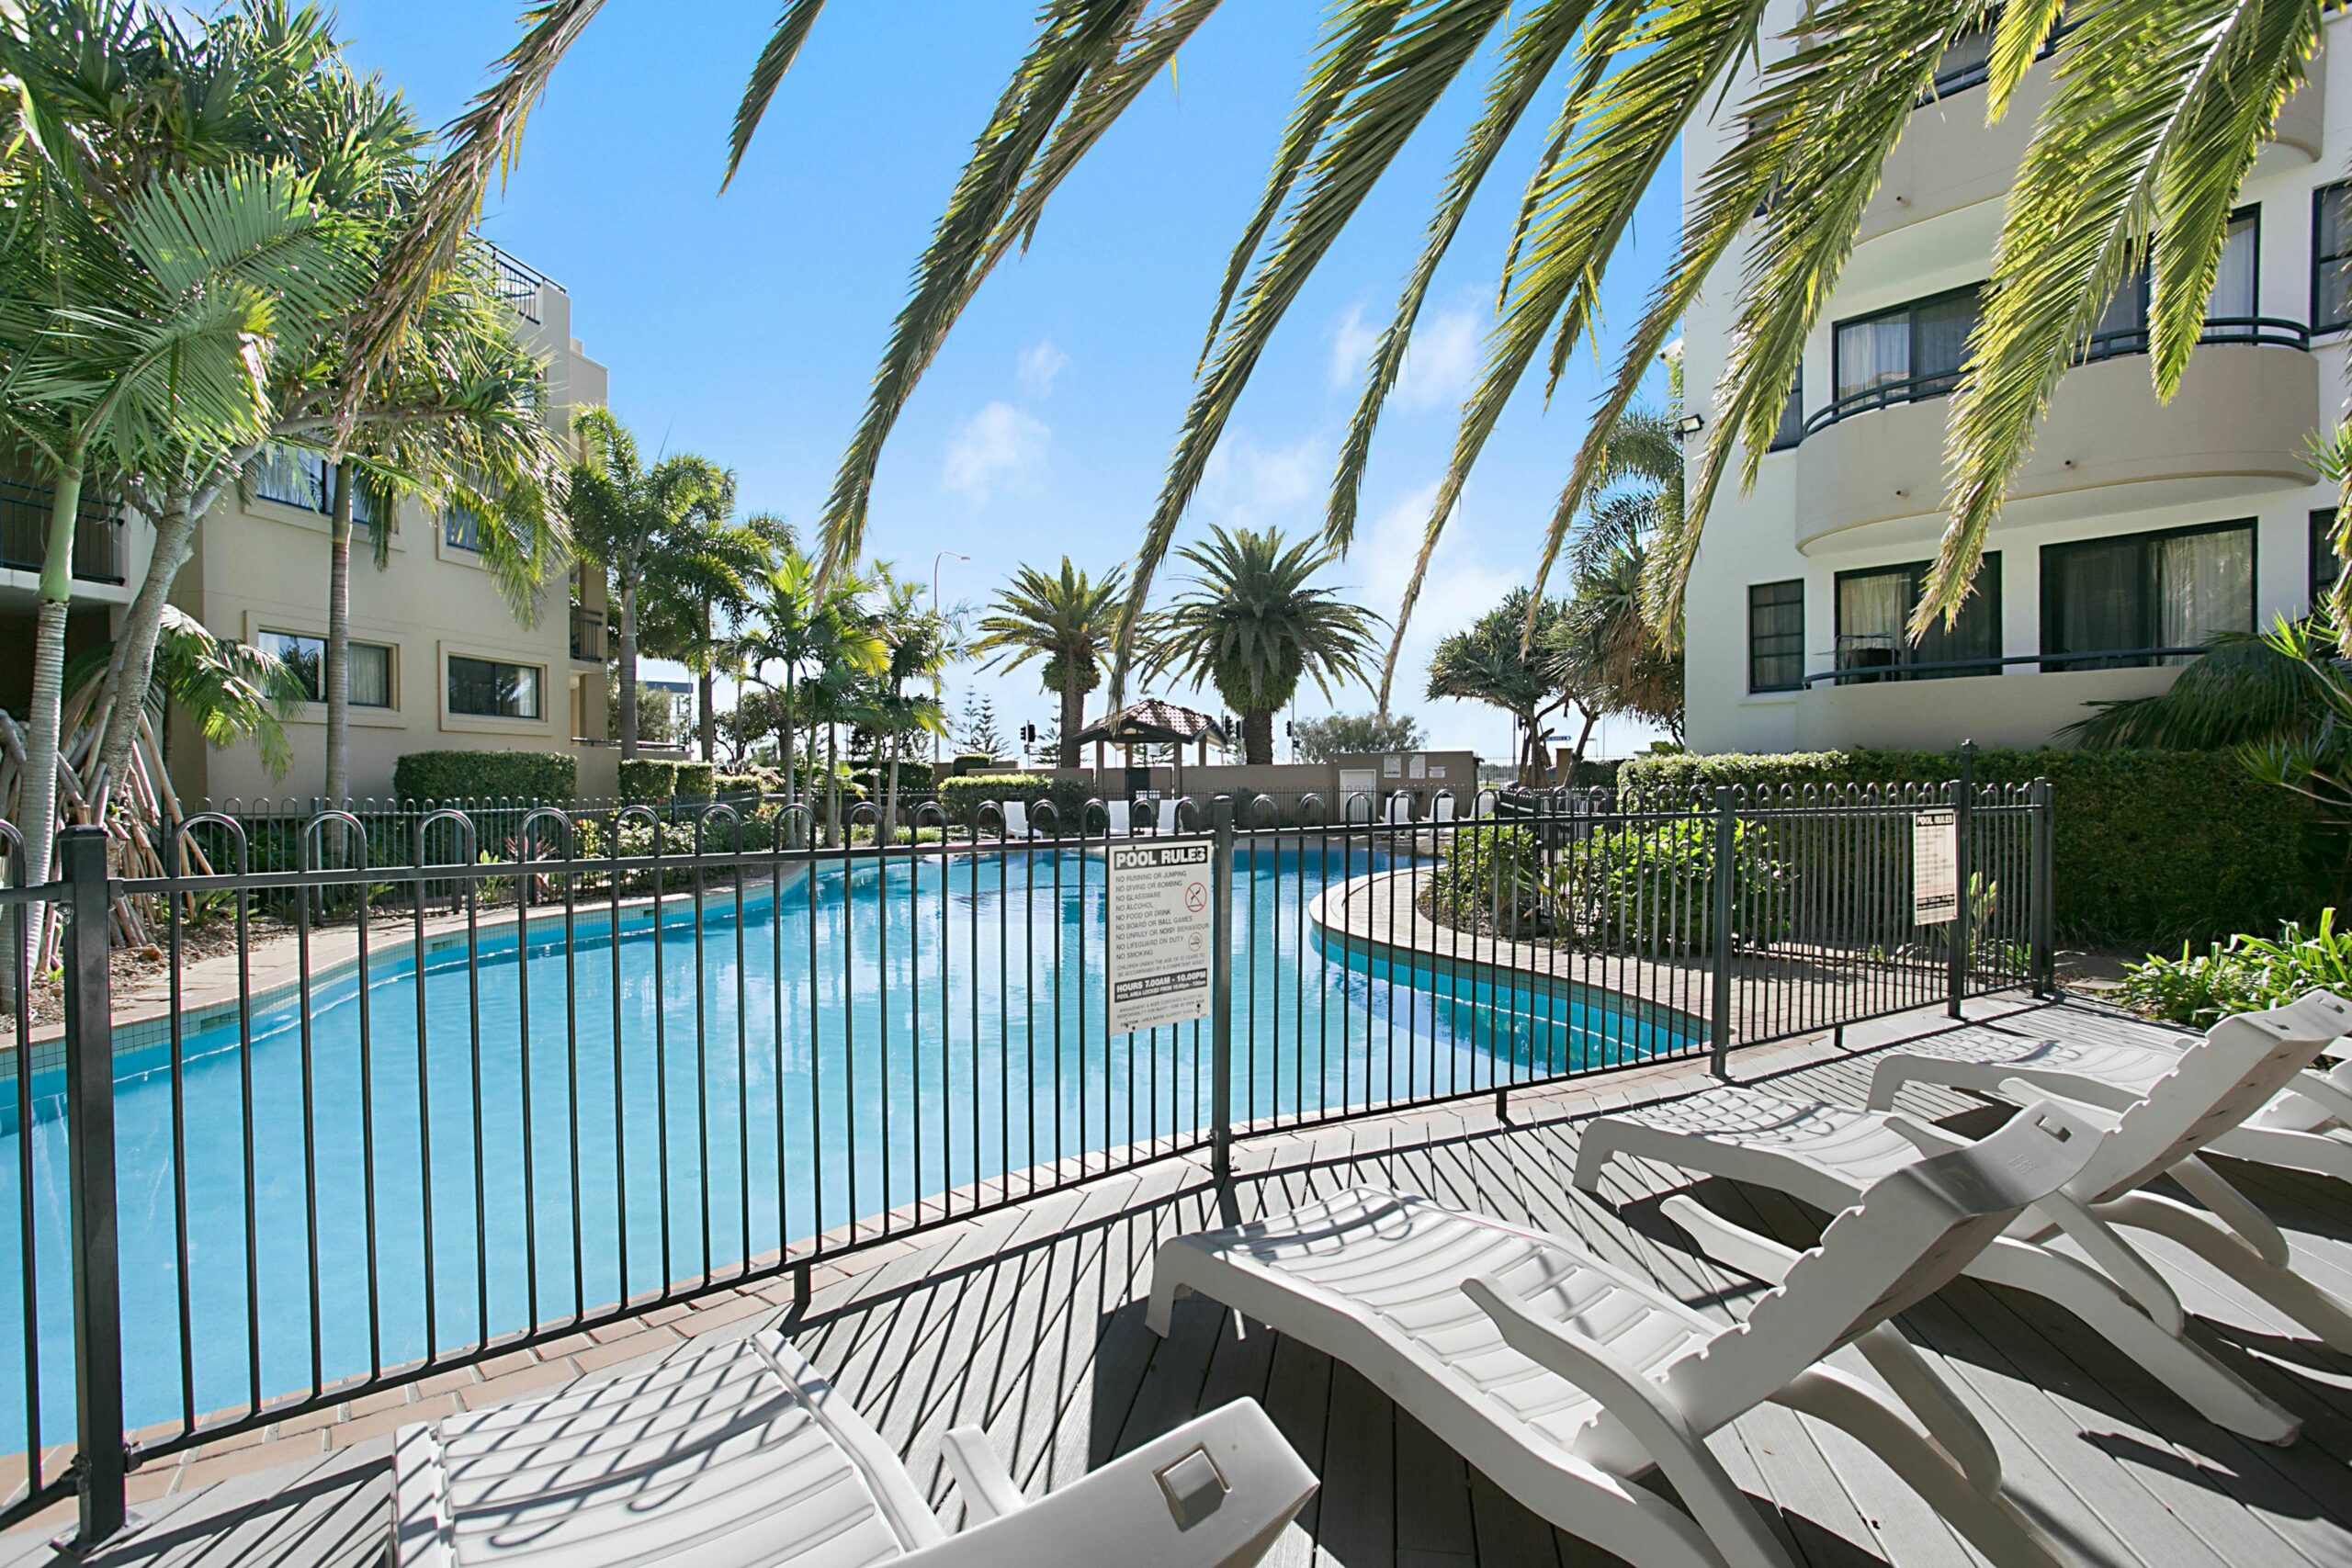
(438, 659)
(2134, 527)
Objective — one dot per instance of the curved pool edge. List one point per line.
(1489, 957)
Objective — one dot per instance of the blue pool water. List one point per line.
(852, 1043)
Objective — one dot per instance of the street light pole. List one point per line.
(938, 687)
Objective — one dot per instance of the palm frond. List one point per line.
(767, 74)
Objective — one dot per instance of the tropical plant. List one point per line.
(806, 625)
(701, 579)
(917, 644)
(1253, 627)
(1496, 661)
(632, 518)
(1066, 622)
(1631, 660)
(1339, 734)
(2243, 975)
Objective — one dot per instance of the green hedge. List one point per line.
(874, 774)
(549, 778)
(961, 797)
(658, 778)
(2148, 846)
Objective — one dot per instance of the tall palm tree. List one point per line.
(1067, 622)
(1253, 627)
(1631, 662)
(917, 646)
(807, 628)
(699, 573)
(624, 516)
(126, 342)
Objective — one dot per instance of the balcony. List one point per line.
(2236, 427)
(588, 636)
(24, 533)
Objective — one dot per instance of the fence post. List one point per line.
(1723, 867)
(2045, 892)
(89, 1112)
(1957, 964)
(1221, 991)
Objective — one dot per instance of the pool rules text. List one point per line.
(1161, 935)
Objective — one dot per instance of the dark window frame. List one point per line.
(317, 693)
(2320, 548)
(1791, 430)
(1756, 688)
(2320, 261)
(1985, 591)
(2135, 340)
(1909, 389)
(2060, 660)
(539, 688)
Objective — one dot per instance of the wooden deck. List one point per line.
(1030, 1324)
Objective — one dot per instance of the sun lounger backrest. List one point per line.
(2242, 1062)
(1119, 817)
(1913, 1231)
(1400, 807)
(1016, 819)
(1445, 808)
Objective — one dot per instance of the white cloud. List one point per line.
(1353, 341)
(1249, 486)
(1038, 366)
(998, 449)
(1440, 361)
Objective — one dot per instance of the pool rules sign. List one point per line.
(1935, 869)
(1161, 935)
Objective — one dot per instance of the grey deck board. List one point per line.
(1028, 1321)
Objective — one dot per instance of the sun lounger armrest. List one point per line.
(980, 1476)
(1926, 1137)
(1733, 1246)
(1642, 1407)
(2322, 1090)
(1215, 1493)
(2101, 1119)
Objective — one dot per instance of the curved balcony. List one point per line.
(2236, 427)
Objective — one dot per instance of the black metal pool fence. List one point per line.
(652, 1052)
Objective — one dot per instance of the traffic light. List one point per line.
(1028, 735)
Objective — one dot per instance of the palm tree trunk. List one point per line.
(133, 664)
(37, 793)
(789, 780)
(629, 668)
(832, 784)
(338, 670)
(1074, 714)
(1257, 736)
(705, 693)
(890, 795)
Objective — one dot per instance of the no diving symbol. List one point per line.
(1196, 896)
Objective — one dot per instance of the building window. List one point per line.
(2230, 311)
(460, 528)
(304, 480)
(1912, 351)
(368, 666)
(2331, 247)
(492, 688)
(2110, 604)
(1792, 427)
(1776, 636)
(2324, 562)
(1967, 60)
(1874, 609)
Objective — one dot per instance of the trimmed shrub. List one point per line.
(696, 780)
(961, 797)
(550, 778)
(2148, 846)
(757, 783)
(659, 779)
(874, 774)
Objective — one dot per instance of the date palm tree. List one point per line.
(1253, 627)
(630, 517)
(1065, 621)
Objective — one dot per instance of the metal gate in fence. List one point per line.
(389, 1100)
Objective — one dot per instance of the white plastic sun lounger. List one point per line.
(1827, 1154)
(1400, 809)
(1016, 819)
(1119, 816)
(1567, 1381)
(2307, 1128)
(741, 1454)
(1443, 808)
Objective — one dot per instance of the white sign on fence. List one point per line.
(1935, 868)
(1161, 935)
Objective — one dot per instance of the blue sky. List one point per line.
(746, 327)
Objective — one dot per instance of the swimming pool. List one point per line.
(609, 1116)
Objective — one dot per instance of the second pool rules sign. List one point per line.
(1161, 935)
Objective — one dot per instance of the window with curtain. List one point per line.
(1776, 636)
(1792, 427)
(368, 666)
(492, 688)
(2106, 602)
(2123, 329)
(2331, 247)
(1912, 351)
(1874, 615)
(2324, 562)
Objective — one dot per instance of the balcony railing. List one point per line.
(24, 533)
(1864, 674)
(305, 479)
(2263, 332)
(519, 284)
(588, 635)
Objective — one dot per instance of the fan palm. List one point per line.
(629, 518)
(1066, 622)
(1253, 627)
